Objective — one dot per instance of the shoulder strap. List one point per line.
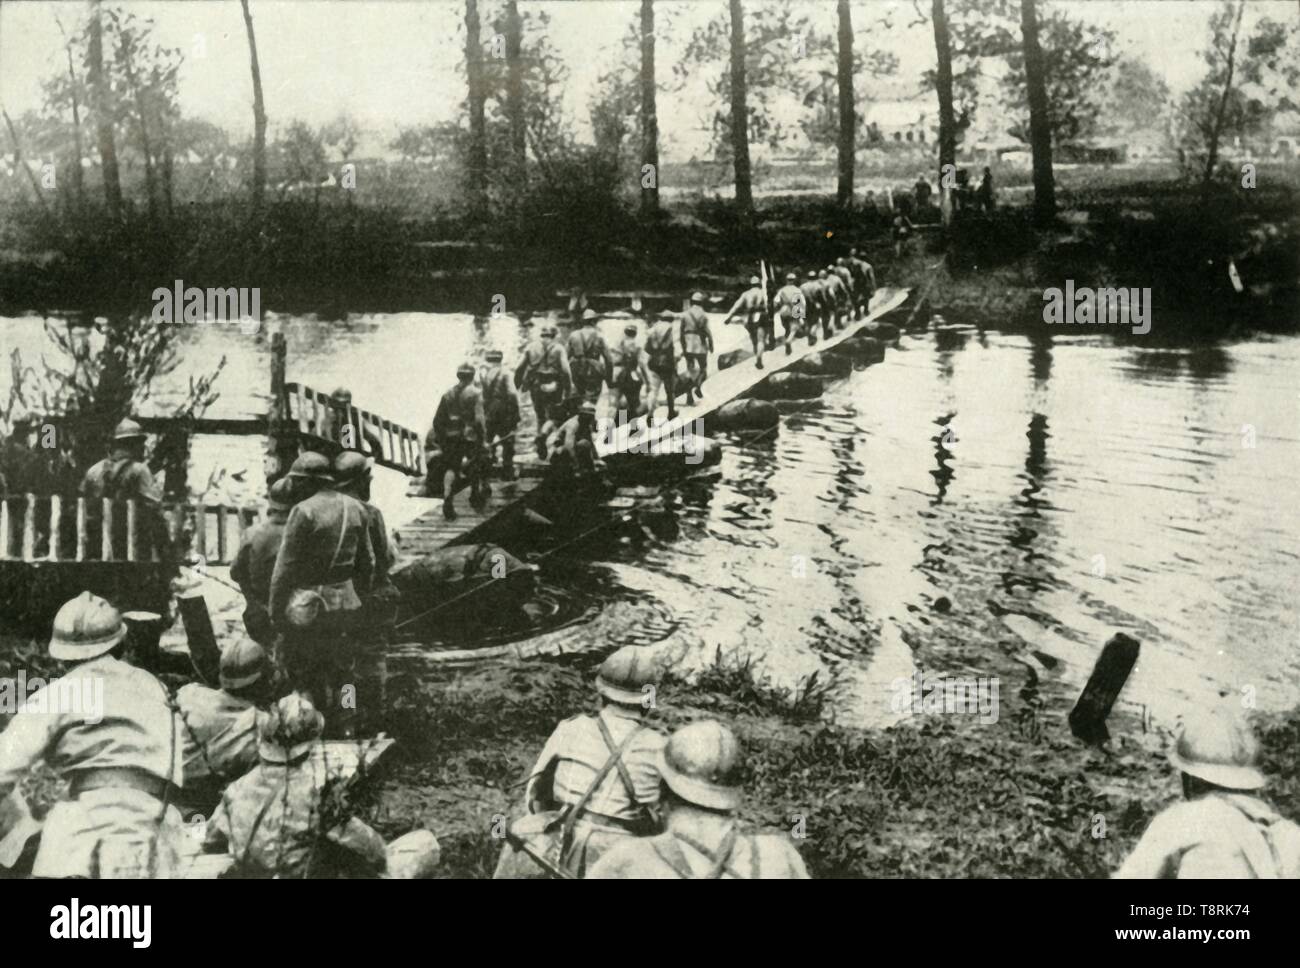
(343, 531)
(719, 861)
(616, 753)
(574, 813)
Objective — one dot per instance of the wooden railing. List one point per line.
(47, 528)
(315, 414)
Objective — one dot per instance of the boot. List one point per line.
(448, 511)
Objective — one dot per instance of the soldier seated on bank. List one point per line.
(270, 820)
(220, 725)
(700, 796)
(596, 782)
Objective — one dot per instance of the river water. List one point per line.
(1088, 485)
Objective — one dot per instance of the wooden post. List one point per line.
(56, 526)
(83, 540)
(4, 527)
(201, 530)
(106, 531)
(281, 441)
(29, 529)
(1088, 717)
(221, 532)
(205, 655)
(131, 527)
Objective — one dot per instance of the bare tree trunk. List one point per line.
(649, 113)
(150, 181)
(740, 114)
(477, 98)
(943, 88)
(259, 118)
(1216, 132)
(103, 122)
(848, 113)
(78, 176)
(515, 86)
(18, 161)
(1040, 130)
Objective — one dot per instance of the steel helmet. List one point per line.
(697, 297)
(127, 429)
(289, 730)
(701, 763)
(790, 277)
(588, 315)
(86, 627)
(1219, 748)
(812, 273)
(351, 466)
(280, 496)
(494, 356)
(587, 408)
(755, 281)
(311, 465)
(464, 370)
(243, 664)
(823, 274)
(341, 396)
(624, 675)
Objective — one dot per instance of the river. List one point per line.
(1089, 485)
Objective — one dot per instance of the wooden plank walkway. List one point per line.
(420, 528)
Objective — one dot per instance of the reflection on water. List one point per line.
(1090, 485)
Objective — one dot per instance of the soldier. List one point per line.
(661, 361)
(379, 599)
(220, 725)
(108, 729)
(630, 375)
(1221, 829)
(342, 432)
(866, 285)
(841, 269)
(833, 287)
(590, 364)
(700, 796)
(544, 373)
(792, 308)
(124, 476)
(573, 446)
(255, 561)
(460, 426)
(274, 819)
(596, 782)
(697, 344)
(814, 305)
(325, 556)
(501, 412)
(751, 308)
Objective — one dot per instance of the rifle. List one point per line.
(521, 845)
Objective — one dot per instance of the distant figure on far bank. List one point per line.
(1221, 829)
(700, 797)
(921, 192)
(984, 197)
(901, 232)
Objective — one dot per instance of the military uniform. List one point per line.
(270, 822)
(114, 823)
(751, 308)
(814, 297)
(612, 804)
(252, 569)
(1220, 835)
(836, 301)
(630, 375)
(697, 343)
(792, 307)
(220, 734)
(121, 478)
(661, 362)
(866, 283)
(679, 856)
(590, 364)
(501, 414)
(544, 373)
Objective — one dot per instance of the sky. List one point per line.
(398, 62)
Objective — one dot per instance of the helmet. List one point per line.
(464, 370)
(1219, 748)
(494, 356)
(243, 664)
(812, 273)
(625, 673)
(311, 465)
(840, 261)
(697, 297)
(790, 277)
(588, 315)
(341, 396)
(666, 314)
(755, 281)
(701, 764)
(86, 627)
(280, 496)
(288, 731)
(351, 466)
(587, 409)
(127, 429)
(823, 274)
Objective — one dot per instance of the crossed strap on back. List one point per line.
(719, 862)
(570, 817)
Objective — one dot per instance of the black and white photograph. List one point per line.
(650, 439)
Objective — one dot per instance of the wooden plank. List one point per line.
(106, 531)
(56, 526)
(131, 525)
(221, 533)
(201, 530)
(4, 527)
(83, 541)
(29, 528)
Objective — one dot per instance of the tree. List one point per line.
(649, 113)
(848, 120)
(1137, 95)
(1076, 59)
(1040, 130)
(515, 87)
(740, 114)
(74, 93)
(943, 87)
(476, 164)
(99, 86)
(259, 117)
(1215, 107)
